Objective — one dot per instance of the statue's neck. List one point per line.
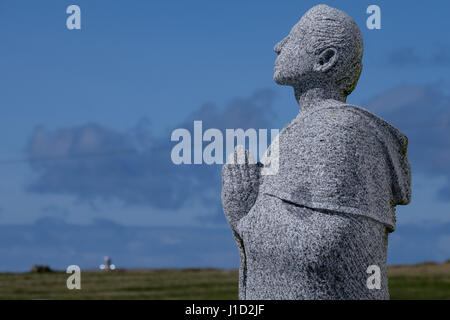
(309, 98)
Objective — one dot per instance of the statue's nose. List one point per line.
(280, 45)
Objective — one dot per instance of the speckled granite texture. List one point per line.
(311, 230)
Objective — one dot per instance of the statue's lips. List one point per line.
(276, 65)
(277, 62)
(276, 71)
(277, 68)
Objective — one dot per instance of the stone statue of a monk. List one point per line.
(318, 228)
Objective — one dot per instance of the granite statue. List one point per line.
(313, 229)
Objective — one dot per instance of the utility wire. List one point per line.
(133, 152)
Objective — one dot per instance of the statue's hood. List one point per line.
(343, 158)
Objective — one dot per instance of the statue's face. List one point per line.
(294, 63)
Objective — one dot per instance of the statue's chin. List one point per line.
(279, 79)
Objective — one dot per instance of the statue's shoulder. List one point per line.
(327, 118)
(351, 116)
(344, 114)
(345, 121)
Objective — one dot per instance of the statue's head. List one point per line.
(323, 49)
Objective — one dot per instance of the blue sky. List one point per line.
(139, 69)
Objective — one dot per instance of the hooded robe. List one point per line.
(322, 220)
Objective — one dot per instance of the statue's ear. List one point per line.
(326, 60)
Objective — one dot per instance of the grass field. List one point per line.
(423, 281)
